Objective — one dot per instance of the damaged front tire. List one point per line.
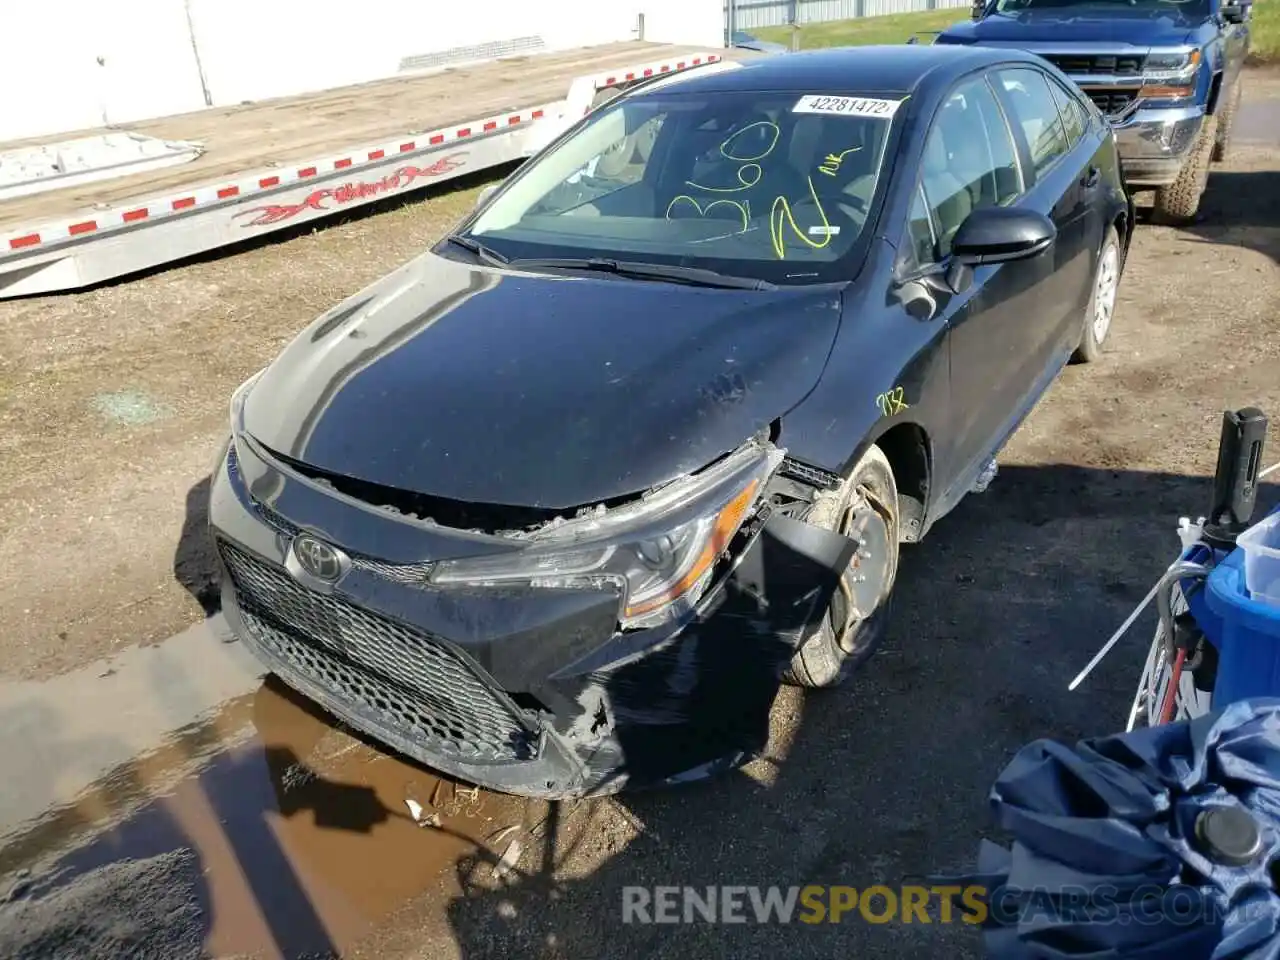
(865, 507)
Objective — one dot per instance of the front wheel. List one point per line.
(1226, 119)
(866, 509)
(1102, 299)
(1179, 202)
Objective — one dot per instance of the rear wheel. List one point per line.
(1179, 202)
(1102, 301)
(865, 508)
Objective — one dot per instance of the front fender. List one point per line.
(886, 369)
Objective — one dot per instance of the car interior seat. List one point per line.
(837, 159)
(948, 195)
(968, 151)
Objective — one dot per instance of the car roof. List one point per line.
(901, 68)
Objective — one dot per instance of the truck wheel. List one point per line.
(1102, 300)
(1226, 120)
(865, 507)
(1178, 203)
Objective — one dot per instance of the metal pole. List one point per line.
(733, 20)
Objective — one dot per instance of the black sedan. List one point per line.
(556, 507)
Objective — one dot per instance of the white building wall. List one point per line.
(79, 64)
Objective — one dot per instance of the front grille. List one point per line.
(417, 685)
(1113, 102)
(1128, 65)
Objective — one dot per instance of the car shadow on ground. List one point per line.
(1241, 209)
(195, 564)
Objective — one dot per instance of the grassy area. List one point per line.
(1266, 32)
(897, 27)
(893, 28)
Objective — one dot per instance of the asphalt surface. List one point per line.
(168, 802)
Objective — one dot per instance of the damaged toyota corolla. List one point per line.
(556, 507)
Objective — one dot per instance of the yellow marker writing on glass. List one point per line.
(831, 163)
(780, 215)
(744, 211)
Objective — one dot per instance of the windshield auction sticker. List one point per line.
(847, 106)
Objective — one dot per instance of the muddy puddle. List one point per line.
(269, 832)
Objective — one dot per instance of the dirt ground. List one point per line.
(113, 403)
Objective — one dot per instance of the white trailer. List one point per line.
(274, 164)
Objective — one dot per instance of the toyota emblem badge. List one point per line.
(318, 559)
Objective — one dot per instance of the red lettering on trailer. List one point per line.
(30, 240)
(266, 182)
(400, 180)
(183, 203)
(377, 154)
(226, 192)
(78, 228)
(307, 172)
(130, 216)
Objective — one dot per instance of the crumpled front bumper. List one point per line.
(1155, 143)
(525, 691)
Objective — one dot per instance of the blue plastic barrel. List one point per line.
(1248, 636)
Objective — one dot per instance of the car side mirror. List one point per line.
(485, 194)
(1001, 234)
(1233, 12)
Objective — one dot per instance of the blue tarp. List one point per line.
(1113, 852)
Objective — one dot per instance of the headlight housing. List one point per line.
(1167, 75)
(660, 551)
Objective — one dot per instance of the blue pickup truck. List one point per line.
(1166, 73)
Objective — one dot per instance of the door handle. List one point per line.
(1091, 178)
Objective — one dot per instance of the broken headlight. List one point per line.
(660, 551)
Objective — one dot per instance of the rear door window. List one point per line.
(1074, 119)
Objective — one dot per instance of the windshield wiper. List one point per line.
(697, 276)
(489, 256)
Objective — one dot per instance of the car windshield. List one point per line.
(770, 186)
(1185, 8)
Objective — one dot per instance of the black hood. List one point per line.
(505, 388)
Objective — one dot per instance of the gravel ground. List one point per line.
(112, 402)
